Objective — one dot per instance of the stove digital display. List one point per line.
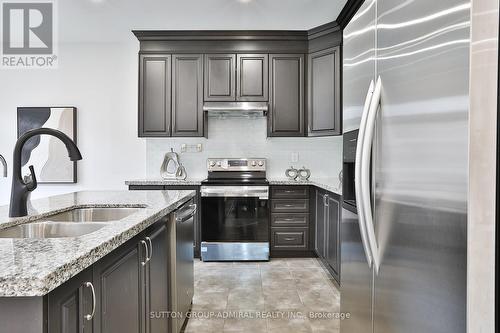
(238, 163)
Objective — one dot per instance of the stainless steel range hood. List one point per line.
(236, 109)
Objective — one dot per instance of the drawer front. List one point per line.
(290, 220)
(290, 205)
(294, 191)
(289, 238)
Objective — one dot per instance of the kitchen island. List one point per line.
(69, 283)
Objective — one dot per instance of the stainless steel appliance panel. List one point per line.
(235, 223)
(358, 63)
(183, 260)
(235, 251)
(358, 71)
(357, 278)
(420, 166)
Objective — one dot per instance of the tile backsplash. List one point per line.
(236, 137)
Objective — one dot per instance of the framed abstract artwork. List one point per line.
(47, 154)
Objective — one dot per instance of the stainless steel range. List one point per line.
(235, 210)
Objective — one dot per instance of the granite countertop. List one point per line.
(164, 182)
(328, 184)
(34, 267)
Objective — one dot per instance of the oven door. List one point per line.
(235, 223)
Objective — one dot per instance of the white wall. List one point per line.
(248, 138)
(98, 74)
(483, 163)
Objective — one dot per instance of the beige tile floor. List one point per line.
(276, 296)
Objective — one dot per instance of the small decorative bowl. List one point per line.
(292, 173)
(304, 174)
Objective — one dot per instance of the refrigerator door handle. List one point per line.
(357, 176)
(366, 170)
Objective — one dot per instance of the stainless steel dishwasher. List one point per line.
(182, 263)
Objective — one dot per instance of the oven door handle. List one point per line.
(261, 192)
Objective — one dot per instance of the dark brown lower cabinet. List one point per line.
(120, 294)
(327, 239)
(68, 306)
(290, 236)
(320, 239)
(333, 234)
(127, 291)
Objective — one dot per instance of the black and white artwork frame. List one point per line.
(46, 153)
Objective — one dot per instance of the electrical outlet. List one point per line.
(197, 148)
(294, 157)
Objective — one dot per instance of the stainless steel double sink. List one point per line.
(72, 223)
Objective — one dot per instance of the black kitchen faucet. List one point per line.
(21, 188)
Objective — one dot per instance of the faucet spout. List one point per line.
(21, 188)
(4, 164)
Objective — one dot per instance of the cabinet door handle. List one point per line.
(150, 249)
(89, 317)
(188, 216)
(143, 263)
(325, 200)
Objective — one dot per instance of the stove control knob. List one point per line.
(254, 163)
(219, 163)
(261, 163)
(212, 163)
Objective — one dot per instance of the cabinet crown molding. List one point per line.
(193, 35)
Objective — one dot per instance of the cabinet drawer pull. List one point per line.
(288, 239)
(150, 249)
(143, 263)
(89, 317)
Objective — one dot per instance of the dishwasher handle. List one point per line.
(186, 214)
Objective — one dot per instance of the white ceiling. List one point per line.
(112, 20)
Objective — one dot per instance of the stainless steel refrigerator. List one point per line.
(404, 224)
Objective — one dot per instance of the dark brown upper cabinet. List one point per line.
(179, 70)
(187, 95)
(324, 113)
(231, 77)
(220, 77)
(286, 92)
(155, 95)
(252, 77)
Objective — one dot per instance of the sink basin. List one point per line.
(93, 214)
(73, 223)
(50, 230)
